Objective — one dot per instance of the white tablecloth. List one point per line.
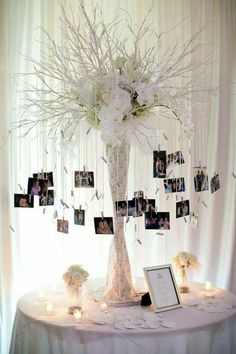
(195, 332)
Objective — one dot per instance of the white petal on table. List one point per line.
(130, 325)
(168, 324)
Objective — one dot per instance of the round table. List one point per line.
(191, 331)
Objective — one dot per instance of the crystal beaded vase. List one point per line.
(119, 279)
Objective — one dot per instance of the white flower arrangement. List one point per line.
(97, 77)
(75, 276)
(186, 262)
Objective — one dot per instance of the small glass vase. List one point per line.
(74, 298)
(183, 286)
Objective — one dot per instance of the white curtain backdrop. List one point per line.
(32, 253)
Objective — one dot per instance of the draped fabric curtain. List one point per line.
(32, 253)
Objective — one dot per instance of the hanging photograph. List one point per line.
(45, 175)
(84, 179)
(215, 183)
(157, 221)
(23, 201)
(193, 220)
(182, 208)
(138, 207)
(159, 164)
(174, 185)
(37, 186)
(34, 187)
(175, 158)
(79, 217)
(180, 184)
(131, 208)
(200, 179)
(142, 205)
(162, 287)
(47, 199)
(170, 185)
(103, 225)
(62, 226)
(147, 205)
(121, 208)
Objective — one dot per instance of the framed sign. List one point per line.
(162, 287)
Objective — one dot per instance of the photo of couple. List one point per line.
(182, 208)
(84, 179)
(103, 225)
(200, 179)
(157, 221)
(174, 185)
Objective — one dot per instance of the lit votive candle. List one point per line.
(49, 308)
(103, 307)
(77, 316)
(208, 286)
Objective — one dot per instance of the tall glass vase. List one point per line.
(119, 279)
(184, 286)
(74, 298)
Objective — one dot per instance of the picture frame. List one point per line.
(162, 287)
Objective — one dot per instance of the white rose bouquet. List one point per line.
(74, 278)
(184, 263)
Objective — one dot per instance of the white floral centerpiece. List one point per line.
(113, 83)
(184, 263)
(116, 77)
(74, 277)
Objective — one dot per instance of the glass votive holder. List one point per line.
(77, 316)
(49, 308)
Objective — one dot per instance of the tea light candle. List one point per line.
(49, 308)
(208, 286)
(77, 316)
(103, 307)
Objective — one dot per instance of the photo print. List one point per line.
(84, 179)
(62, 226)
(193, 220)
(103, 225)
(147, 205)
(182, 208)
(131, 208)
(174, 185)
(23, 201)
(200, 179)
(121, 208)
(48, 199)
(159, 164)
(175, 158)
(45, 175)
(157, 221)
(215, 183)
(37, 186)
(141, 204)
(79, 217)
(33, 186)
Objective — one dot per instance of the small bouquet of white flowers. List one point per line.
(184, 263)
(74, 278)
